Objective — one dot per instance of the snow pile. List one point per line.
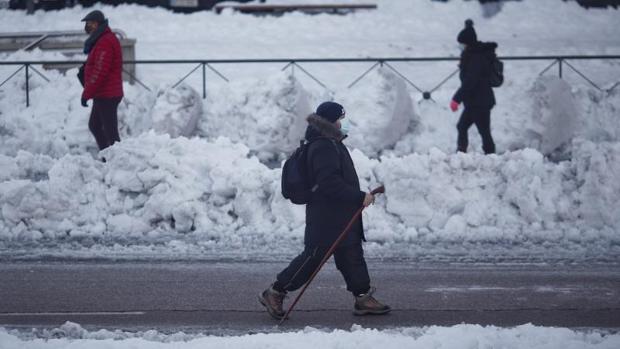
(597, 168)
(513, 198)
(555, 114)
(381, 112)
(268, 115)
(176, 111)
(599, 119)
(173, 111)
(152, 188)
(215, 199)
(459, 336)
(55, 129)
(217, 194)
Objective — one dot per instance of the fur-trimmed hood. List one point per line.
(319, 127)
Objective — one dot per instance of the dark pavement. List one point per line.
(222, 297)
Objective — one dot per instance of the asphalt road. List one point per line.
(222, 297)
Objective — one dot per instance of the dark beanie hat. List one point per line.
(95, 16)
(330, 111)
(467, 36)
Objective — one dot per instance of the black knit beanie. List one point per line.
(330, 111)
(467, 36)
(95, 16)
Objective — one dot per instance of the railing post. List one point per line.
(560, 66)
(27, 86)
(204, 81)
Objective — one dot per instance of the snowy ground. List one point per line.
(72, 335)
(551, 193)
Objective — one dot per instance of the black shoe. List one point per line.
(272, 300)
(366, 304)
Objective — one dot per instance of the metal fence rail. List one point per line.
(292, 63)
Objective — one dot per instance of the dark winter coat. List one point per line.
(104, 68)
(475, 65)
(338, 195)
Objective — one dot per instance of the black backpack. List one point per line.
(496, 79)
(296, 184)
(296, 181)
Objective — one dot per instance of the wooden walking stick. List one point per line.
(379, 190)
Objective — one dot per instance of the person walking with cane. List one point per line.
(334, 202)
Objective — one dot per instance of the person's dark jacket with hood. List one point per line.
(475, 72)
(338, 195)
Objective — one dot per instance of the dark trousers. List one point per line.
(482, 118)
(349, 261)
(103, 123)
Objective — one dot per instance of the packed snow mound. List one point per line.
(459, 336)
(381, 112)
(269, 115)
(177, 111)
(554, 118)
(215, 198)
(169, 110)
(599, 119)
(55, 195)
(515, 197)
(56, 124)
(150, 186)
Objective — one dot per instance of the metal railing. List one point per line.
(295, 63)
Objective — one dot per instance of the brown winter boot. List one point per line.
(366, 304)
(272, 300)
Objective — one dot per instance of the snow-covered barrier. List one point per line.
(268, 115)
(214, 199)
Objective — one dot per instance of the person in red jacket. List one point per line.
(102, 79)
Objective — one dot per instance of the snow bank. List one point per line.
(380, 110)
(268, 115)
(215, 199)
(512, 198)
(56, 124)
(212, 197)
(153, 188)
(176, 111)
(460, 336)
(554, 114)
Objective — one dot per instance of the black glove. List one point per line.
(80, 75)
(84, 102)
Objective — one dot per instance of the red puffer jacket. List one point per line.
(104, 68)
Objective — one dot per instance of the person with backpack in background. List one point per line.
(480, 70)
(102, 79)
(331, 203)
